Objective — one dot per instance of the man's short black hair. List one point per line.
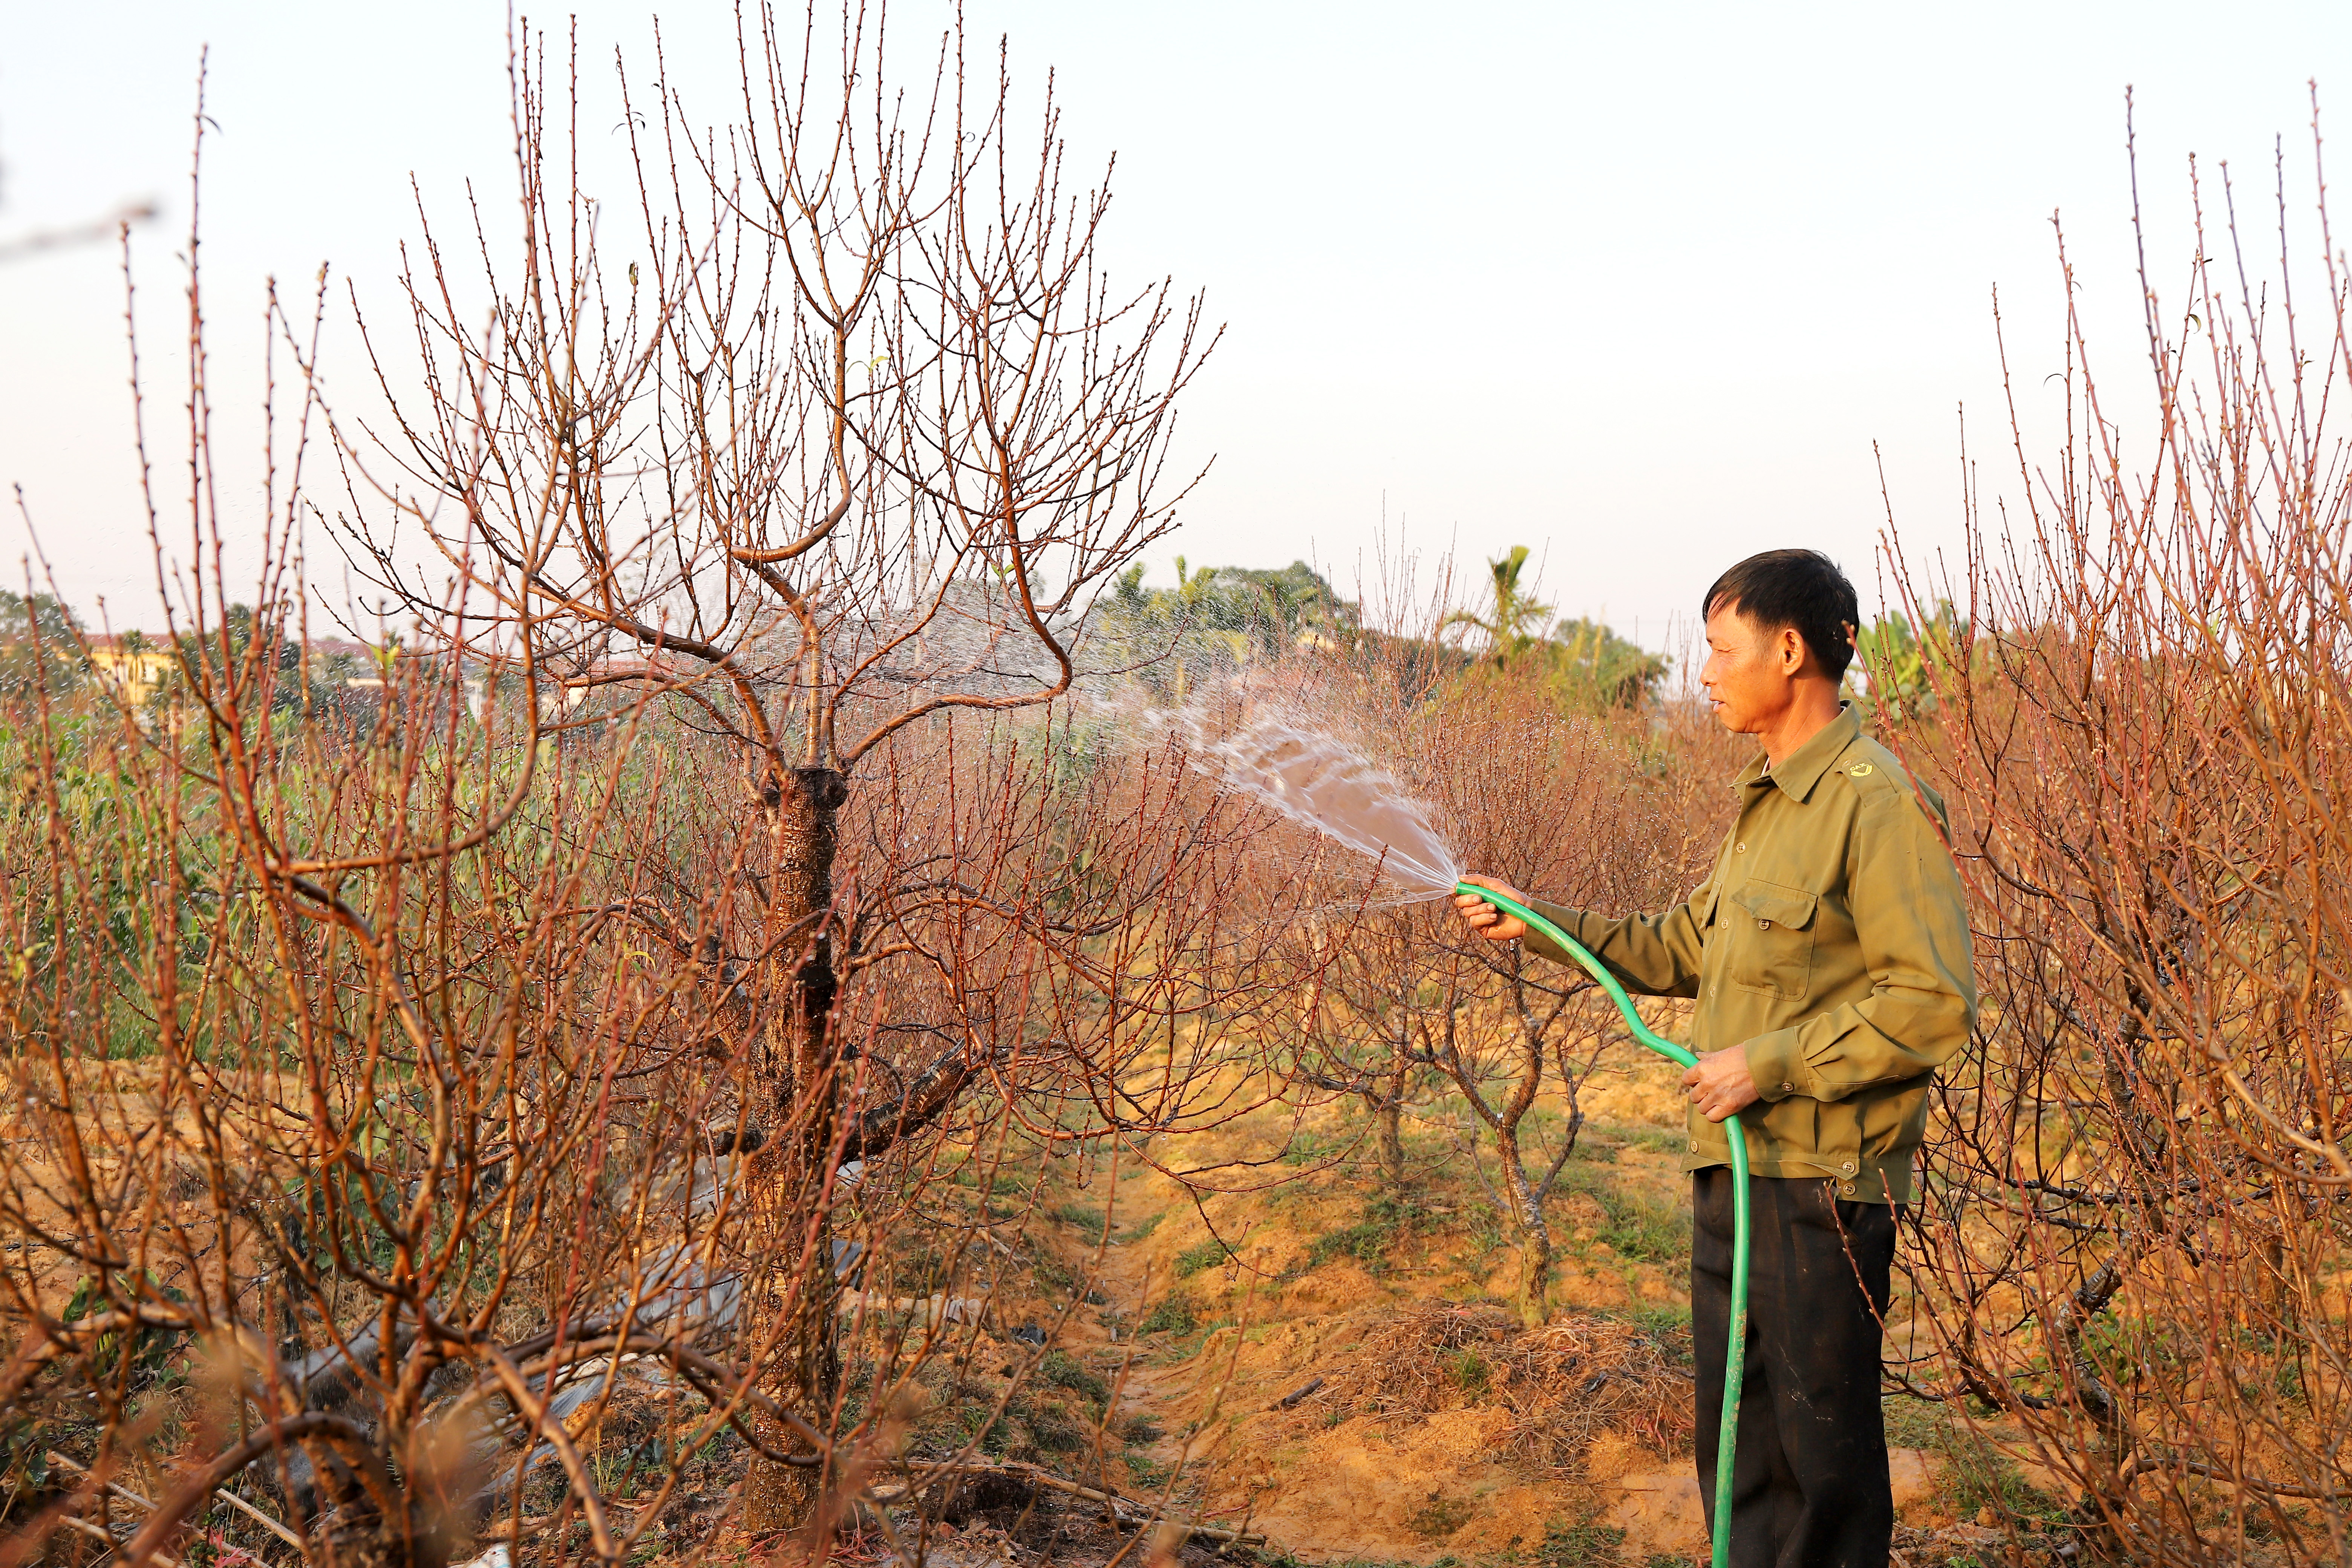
(1800, 588)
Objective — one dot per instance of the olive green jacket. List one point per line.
(1831, 940)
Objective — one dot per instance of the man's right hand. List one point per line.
(1485, 918)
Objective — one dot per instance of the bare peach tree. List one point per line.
(2138, 1212)
(1558, 805)
(1395, 1000)
(426, 1096)
(842, 440)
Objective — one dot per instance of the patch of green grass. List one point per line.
(1207, 1255)
(1088, 1219)
(1657, 1140)
(993, 1433)
(1310, 1149)
(1052, 1430)
(1637, 1227)
(1467, 1370)
(1976, 1474)
(1584, 1544)
(1668, 1327)
(1486, 1231)
(1066, 1371)
(1172, 1315)
(1368, 1243)
(1647, 1232)
(1144, 1226)
(1386, 1219)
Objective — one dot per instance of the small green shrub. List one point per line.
(1144, 1226)
(1486, 1233)
(1646, 1232)
(1668, 1327)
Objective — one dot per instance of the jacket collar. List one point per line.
(1808, 762)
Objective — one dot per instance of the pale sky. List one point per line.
(1638, 287)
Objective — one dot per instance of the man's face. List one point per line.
(1751, 674)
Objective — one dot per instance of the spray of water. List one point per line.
(1320, 781)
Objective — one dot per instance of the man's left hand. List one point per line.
(1721, 1083)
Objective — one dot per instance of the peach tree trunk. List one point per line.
(792, 1308)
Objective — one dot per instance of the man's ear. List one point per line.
(1790, 646)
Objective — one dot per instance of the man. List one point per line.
(1828, 951)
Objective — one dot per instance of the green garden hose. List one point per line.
(1735, 1349)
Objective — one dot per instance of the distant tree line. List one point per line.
(1228, 616)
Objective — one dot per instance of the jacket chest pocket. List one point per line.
(1770, 930)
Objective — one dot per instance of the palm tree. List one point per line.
(1515, 622)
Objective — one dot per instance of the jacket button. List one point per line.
(1849, 1167)
(1739, 848)
(1785, 1087)
(1847, 1189)
(1763, 925)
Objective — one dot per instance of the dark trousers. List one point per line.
(1808, 1479)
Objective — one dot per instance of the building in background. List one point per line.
(133, 662)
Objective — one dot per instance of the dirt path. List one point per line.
(1329, 1481)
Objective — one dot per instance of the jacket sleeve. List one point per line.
(1651, 955)
(1911, 922)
